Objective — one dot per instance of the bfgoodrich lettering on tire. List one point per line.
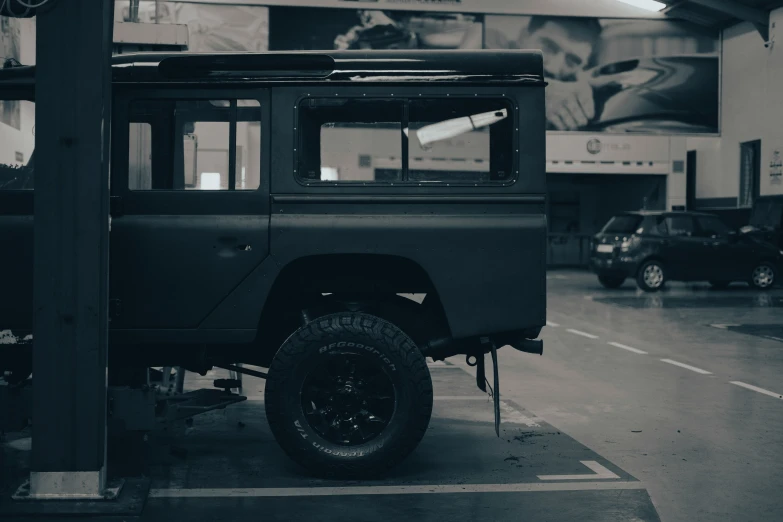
(349, 395)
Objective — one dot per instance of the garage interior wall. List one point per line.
(752, 109)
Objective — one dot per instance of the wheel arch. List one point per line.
(352, 282)
(651, 257)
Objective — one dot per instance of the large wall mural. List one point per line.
(308, 28)
(646, 76)
(211, 27)
(605, 75)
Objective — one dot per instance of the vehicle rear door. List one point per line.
(729, 259)
(684, 254)
(190, 203)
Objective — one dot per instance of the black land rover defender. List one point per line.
(335, 217)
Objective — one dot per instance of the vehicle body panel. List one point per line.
(198, 267)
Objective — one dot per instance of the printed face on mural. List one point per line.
(567, 45)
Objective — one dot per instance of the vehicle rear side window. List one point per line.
(194, 145)
(680, 226)
(626, 224)
(711, 226)
(405, 140)
(17, 143)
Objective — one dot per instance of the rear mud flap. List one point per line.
(481, 379)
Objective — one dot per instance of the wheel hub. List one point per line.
(763, 276)
(348, 400)
(653, 276)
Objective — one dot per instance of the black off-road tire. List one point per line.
(378, 342)
(611, 281)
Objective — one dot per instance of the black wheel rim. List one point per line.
(348, 399)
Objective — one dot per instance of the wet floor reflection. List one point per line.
(680, 301)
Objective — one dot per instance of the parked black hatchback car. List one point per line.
(655, 247)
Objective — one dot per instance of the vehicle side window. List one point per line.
(679, 226)
(17, 139)
(711, 226)
(405, 140)
(194, 145)
(655, 226)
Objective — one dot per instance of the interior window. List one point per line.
(17, 144)
(679, 226)
(195, 145)
(418, 140)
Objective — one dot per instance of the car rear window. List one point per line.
(625, 224)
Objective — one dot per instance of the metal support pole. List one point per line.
(73, 108)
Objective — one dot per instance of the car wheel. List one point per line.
(349, 395)
(763, 276)
(651, 276)
(720, 285)
(611, 281)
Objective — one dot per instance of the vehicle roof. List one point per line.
(664, 212)
(397, 66)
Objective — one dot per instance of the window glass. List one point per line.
(656, 226)
(140, 156)
(457, 140)
(417, 140)
(361, 151)
(626, 224)
(712, 226)
(17, 143)
(350, 140)
(187, 145)
(679, 226)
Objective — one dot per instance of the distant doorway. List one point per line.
(690, 180)
(750, 172)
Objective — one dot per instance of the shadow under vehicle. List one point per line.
(276, 209)
(655, 247)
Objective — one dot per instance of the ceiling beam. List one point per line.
(736, 9)
(758, 17)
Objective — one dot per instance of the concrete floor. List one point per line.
(706, 449)
(610, 405)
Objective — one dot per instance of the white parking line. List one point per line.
(629, 348)
(757, 389)
(260, 398)
(553, 325)
(461, 398)
(525, 487)
(723, 326)
(583, 334)
(599, 472)
(687, 367)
